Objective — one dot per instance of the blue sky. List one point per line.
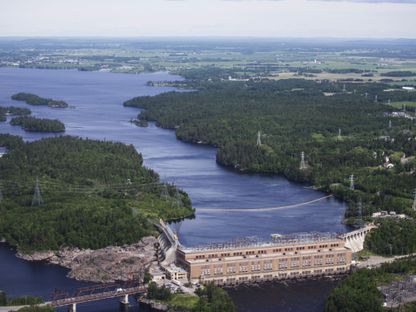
(262, 18)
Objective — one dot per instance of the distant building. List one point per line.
(408, 88)
(391, 214)
(284, 257)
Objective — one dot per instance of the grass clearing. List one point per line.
(401, 104)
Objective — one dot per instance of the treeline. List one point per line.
(34, 99)
(403, 73)
(89, 194)
(14, 111)
(33, 124)
(358, 292)
(17, 301)
(294, 116)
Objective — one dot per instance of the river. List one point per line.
(98, 113)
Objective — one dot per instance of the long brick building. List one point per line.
(283, 257)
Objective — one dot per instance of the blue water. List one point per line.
(98, 113)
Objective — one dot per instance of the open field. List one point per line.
(401, 104)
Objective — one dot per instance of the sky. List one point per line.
(246, 18)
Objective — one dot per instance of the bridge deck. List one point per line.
(98, 296)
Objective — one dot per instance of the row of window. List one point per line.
(259, 252)
(281, 275)
(283, 264)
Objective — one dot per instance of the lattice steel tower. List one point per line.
(37, 197)
(258, 138)
(164, 193)
(414, 200)
(352, 186)
(302, 165)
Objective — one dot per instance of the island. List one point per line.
(13, 111)
(33, 124)
(34, 99)
(88, 200)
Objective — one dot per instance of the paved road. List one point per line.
(376, 261)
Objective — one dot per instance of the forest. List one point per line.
(68, 191)
(13, 111)
(358, 292)
(210, 298)
(33, 124)
(343, 130)
(34, 99)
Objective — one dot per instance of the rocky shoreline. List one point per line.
(109, 264)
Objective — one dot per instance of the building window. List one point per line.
(283, 264)
(268, 266)
(306, 262)
(206, 272)
(218, 270)
(255, 266)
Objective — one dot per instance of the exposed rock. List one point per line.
(102, 265)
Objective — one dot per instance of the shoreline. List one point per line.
(109, 264)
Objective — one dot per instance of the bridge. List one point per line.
(95, 293)
(355, 240)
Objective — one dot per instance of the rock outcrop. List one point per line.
(102, 265)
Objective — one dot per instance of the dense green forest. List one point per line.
(393, 237)
(295, 116)
(92, 194)
(358, 292)
(34, 99)
(33, 124)
(402, 73)
(14, 111)
(210, 299)
(17, 301)
(37, 309)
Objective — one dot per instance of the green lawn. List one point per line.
(400, 104)
(183, 301)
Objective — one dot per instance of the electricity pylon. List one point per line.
(37, 197)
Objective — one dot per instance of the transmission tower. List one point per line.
(302, 165)
(388, 102)
(360, 213)
(414, 200)
(339, 134)
(352, 186)
(390, 124)
(177, 202)
(258, 138)
(164, 192)
(375, 98)
(366, 95)
(37, 197)
(344, 89)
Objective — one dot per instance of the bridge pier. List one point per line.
(72, 307)
(125, 300)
